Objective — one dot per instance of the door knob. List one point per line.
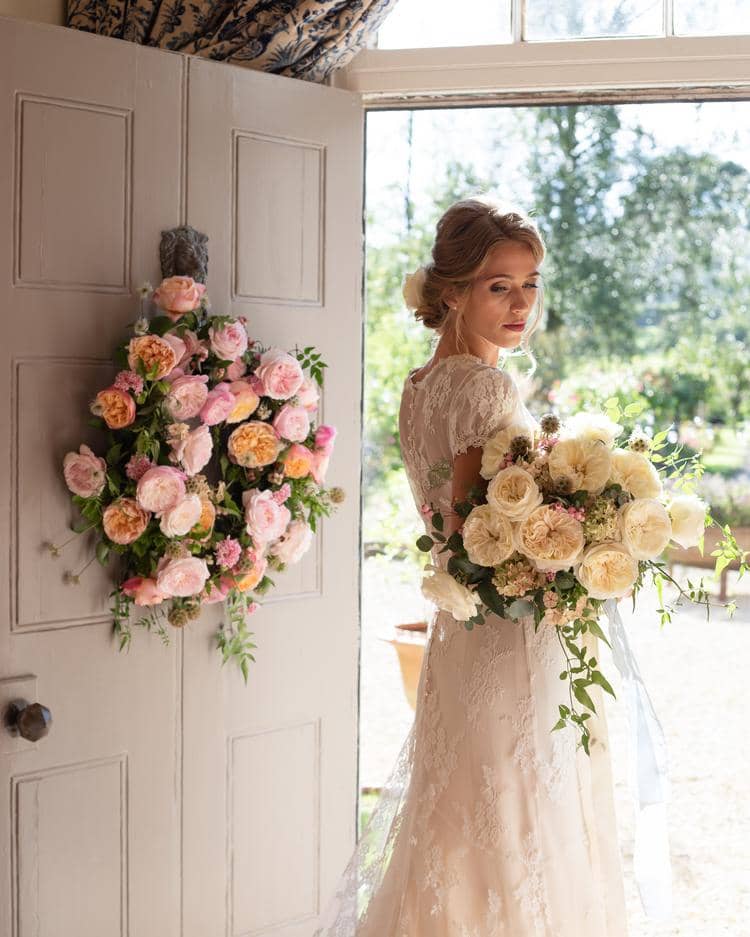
(30, 720)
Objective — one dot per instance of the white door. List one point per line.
(169, 798)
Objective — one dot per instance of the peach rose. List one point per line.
(246, 401)
(551, 539)
(293, 543)
(487, 536)
(179, 520)
(186, 396)
(308, 394)
(281, 374)
(265, 518)
(219, 404)
(205, 523)
(178, 295)
(161, 488)
(182, 576)
(228, 341)
(124, 520)
(298, 461)
(154, 352)
(115, 407)
(142, 590)
(253, 444)
(251, 579)
(607, 570)
(85, 473)
(292, 423)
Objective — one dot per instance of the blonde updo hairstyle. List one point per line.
(465, 235)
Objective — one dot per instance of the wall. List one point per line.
(43, 11)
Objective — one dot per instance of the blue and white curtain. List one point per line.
(299, 38)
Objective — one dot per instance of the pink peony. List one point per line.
(186, 396)
(178, 295)
(281, 374)
(292, 423)
(308, 394)
(183, 576)
(228, 341)
(142, 590)
(85, 473)
(324, 437)
(219, 404)
(236, 369)
(180, 520)
(161, 488)
(293, 543)
(265, 519)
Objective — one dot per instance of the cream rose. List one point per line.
(585, 462)
(498, 446)
(585, 425)
(688, 519)
(179, 520)
(646, 527)
(293, 543)
(412, 286)
(449, 595)
(635, 473)
(487, 536)
(514, 493)
(607, 570)
(550, 538)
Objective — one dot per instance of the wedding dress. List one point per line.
(490, 825)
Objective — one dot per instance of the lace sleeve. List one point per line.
(483, 404)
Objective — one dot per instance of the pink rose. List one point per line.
(142, 590)
(245, 401)
(257, 385)
(308, 394)
(183, 576)
(85, 473)
(177, 295)
(293, 423)
(194, 348)
(180, 520)
(186, 396)
(324, 437)
(216, 593)
(281, 374)
(236, 369)
(219, 404)
(194, 450)
(228, 341)
(319, 465)
(265, 519)
(161, 488)
(293, 543)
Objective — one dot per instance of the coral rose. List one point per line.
(155, 353)
(298, 461)
(253, 444)
(182, 576)
(85, 473)
(116, 407)
(607, 570)
(551, 539)
(124, 520)
(487, 536)
(142, 590)
(178, 295)
(292, 423)
(228, 341)
(585, 462)
(245, 401)
(282, 374)
(646, 528)
(265, 518)
(635, 473)
(186, 396)
(513, 493)
(161, 488)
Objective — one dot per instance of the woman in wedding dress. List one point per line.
(490, 825)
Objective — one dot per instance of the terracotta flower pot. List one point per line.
(410, 646)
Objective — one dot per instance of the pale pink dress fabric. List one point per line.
(489, 825)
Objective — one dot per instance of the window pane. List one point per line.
(419, 24)
(571, 19)
(730, 17)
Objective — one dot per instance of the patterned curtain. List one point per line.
(299, 38)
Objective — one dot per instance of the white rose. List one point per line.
(514, 493)
(587, 425)
(487, 536)
(646, 528)
(449, 595)
(585, 462)
(182, 517)
(498, 446)
(412, 288)
(635, 473)
(688, 515)
(550, 538)
(607, 570)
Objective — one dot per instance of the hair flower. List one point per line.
(412, 287)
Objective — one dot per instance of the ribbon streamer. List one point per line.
(648, 777)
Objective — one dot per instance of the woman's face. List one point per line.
(502, 295)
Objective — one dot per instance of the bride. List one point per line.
(490, 825)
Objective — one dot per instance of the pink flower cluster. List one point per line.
(228, 553)
(578, 513)
(129, 380)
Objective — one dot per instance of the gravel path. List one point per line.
(695, 673)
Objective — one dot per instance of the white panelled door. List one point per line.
(169, 799)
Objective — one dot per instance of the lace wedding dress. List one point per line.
(490, 825)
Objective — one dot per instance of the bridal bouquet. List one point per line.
(570, 519)
(212, 473)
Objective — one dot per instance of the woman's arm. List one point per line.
(466, 466)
